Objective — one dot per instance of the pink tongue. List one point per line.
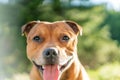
(51, 72)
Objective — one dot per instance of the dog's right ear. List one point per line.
(28, 26)
(76, 28)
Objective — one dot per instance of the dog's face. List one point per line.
(51, 46)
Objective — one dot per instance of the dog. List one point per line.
(52, 48)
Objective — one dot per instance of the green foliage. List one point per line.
(96, 46)
(112, 20)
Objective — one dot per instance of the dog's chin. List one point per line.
(60, 68)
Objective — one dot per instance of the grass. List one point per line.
(21, 76)
(105, 72)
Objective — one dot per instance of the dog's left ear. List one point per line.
(28, 26)
(76, 28)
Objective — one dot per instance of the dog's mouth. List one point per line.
(52, 71)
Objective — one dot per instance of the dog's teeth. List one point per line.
(59, 67)
(43, 66)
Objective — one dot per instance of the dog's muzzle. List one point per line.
(52, 67)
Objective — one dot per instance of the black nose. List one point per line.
(51, 56)
(50, 53)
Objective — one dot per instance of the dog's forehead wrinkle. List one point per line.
(52, 26)
(49, 26)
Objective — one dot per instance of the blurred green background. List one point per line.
(98, 48)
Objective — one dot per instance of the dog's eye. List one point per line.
(37, 38)
(65, 38)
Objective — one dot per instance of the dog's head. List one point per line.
(52, 46)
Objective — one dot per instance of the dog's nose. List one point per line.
(51, 56)
(50, 53)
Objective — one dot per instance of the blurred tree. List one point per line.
(56, 6)
(29, 9)
(96, 46)
(112, 19)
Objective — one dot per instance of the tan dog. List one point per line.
(52, 48)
